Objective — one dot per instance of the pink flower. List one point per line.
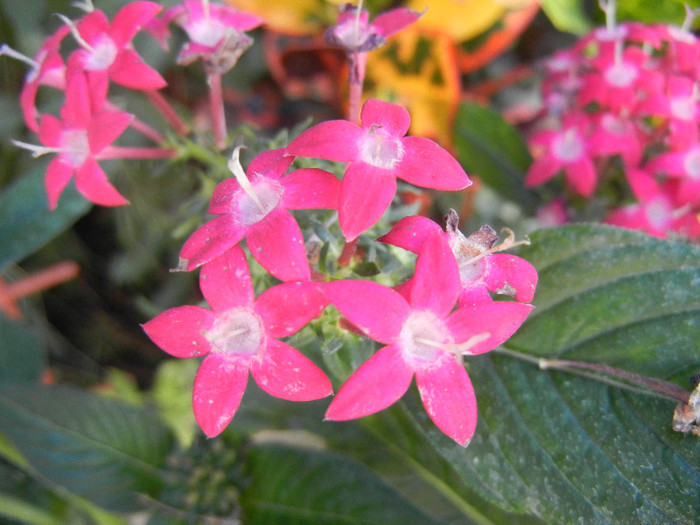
(480, 270)
(377, 153)
(79, 139)
(683, 165)
(613, 135)
(239, 334)
(564, 150)
(215, 32)
(256, 207)
(106, 48)
(424, 339)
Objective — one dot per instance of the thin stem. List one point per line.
(121, 152)
(216, 106)
(166, 109)
(347, 253)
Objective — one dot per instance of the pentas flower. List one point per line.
(481, 270)
(105, 48)
(215, 32)
(255, 207)
(424, 338)
(377, 152)
(564, 150)
(47, 69)
(79, 139)
(241, 334)
(683, 165)
(613, 135)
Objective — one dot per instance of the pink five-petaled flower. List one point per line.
(255, 207)
(480, 270)
(106, 48)
(425, 338)
(79, 140)
(215, 32)
(377, 152)
(241, 333)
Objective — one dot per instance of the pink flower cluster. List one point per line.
(625, 100)
(443, 312)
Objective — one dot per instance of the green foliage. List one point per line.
(567, 15)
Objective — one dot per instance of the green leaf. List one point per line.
(26, 223)
(305, 486)
(491, 149)
(22, 354)
(567, 15)
(572, 449)
(102, 450)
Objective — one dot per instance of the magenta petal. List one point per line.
(58, 175)
(130, 19)
(333, 140)
(486, 325)
(393, 21)
(218, 389)
(130, 71)
(271, 164)
(277, 244)
(543, 169)
(448, 397)
(376, 385)
(179, 331)
(436, 283)
(92, 182)
(93, 25)
(411, 232)
(582, 176)
(390, 117)
(50, 131)
(365, 194)
(210, 240)
(514, 271)
(286, 308)
(76, 111)
(225, 282)
(428, 165)
(104, 129)
(222, 197)
(309, 188)
(282, 371)
(378, 311)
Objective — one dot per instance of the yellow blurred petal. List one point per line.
(297, 17)
(461, 19)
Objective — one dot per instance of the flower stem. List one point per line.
(216, 105)
(120, 152)
(166, 109)
(348, 251)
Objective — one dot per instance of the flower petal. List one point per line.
(210, 240)
(58, 175)
(288, 307)
(365, 194)
(180, 331)
(376, 385)
(411, 232)
(218, 389)
(390, 117)
(130, 19)
(486, 325)
(332, 140)
(448, 397)
(428, 165)
(92, 182)
(50, 130)
(514, 271)
(391, 22)
(436, 283)
(311, 188)
(105, 127)
(129, 70)
(272, 164)
(225, 282)
(378, 311)
(277, 243)
(283, 371)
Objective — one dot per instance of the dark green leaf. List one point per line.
(26, 223)
(100, 449)
(22, 354)
(306, 486)
(491, 149)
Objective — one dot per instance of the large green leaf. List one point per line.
(22, 353)
(100, 449)
(307, 486)
(494, 151)
(27, 223)
(567, 15)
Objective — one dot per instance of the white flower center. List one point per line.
(621, 75)
(379, 149)
(103, 54)
(614, 125)
(75, 147)
(658, 213)
(352, 34)
(691, 163)
(423, 338)
(251, 209)
(568, 146)
(238, 331)
(206, 31)
(683, 108)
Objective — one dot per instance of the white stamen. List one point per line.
(37, 151)
(7, 50)
(234, 165)
(74, 31)
(84, 5)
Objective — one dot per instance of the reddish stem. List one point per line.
(166, 109)
(216, 106)
(347, 253)
(120, 152)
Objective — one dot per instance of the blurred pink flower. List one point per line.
(239, 334)
(424, 338)
(377, 152)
